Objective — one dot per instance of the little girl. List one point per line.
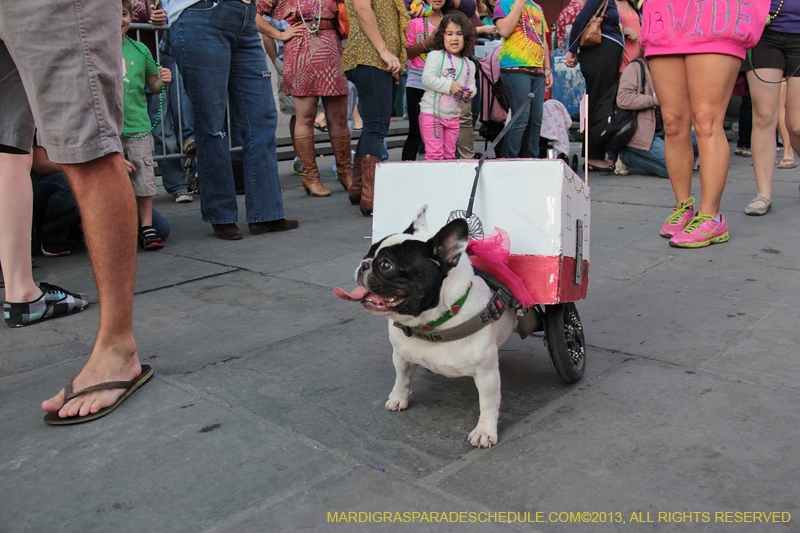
(448, 77)
(420, 39)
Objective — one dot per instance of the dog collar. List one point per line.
(450, 313)
(499, 302)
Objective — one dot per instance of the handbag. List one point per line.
(341, 23)
(614, 127)
(592, 34)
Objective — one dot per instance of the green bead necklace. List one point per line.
(160, 97)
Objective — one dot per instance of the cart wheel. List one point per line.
(565, 342)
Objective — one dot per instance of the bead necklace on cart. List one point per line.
(437, 98)
(313, 26)
(529, 28)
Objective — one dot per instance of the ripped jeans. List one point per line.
(218, 50)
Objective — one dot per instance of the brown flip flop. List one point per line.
(130, 386)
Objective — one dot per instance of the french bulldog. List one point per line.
(414, 278)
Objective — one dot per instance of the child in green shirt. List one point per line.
(139, 69)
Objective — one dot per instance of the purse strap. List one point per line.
(603, 7)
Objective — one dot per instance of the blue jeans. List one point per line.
(522, 140)
(652, 162)
(219, 53)
(375, 105)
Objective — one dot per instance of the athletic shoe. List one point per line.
(701, 231)
(679, 219)
(183, 197)
(297, 166)
(149, 239)
(54, 249)
(53, 303)
(192, 182)
(620, 169)
(189, 146)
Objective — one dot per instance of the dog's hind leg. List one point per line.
(398, 398)
(487, 381)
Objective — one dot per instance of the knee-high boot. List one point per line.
(355, 184)
(305, 151)
(368, 164)
(341, 150)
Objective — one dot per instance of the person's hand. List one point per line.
(293, 31)
(455, 88)
(570, 60)
(164, 74)
(548, 78)
(157, 16)
(129, 166)
(632, 35)
(392, 62)
(416, 12)
(487, 29)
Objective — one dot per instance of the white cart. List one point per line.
(543, 206)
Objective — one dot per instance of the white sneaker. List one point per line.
(183, 197)
(620, 169)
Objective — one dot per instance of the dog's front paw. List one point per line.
(483, 437)
(396, 403)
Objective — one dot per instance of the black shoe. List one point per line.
(149, 239)
(53, 303)
(282, 224)
(227, 232)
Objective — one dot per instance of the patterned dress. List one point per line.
(312, 64)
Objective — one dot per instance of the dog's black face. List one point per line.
(406, 278)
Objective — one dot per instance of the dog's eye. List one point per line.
(386, 266)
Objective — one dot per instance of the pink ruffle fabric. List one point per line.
(491, 254)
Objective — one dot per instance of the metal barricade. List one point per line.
(159, 33)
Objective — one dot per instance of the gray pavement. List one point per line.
(266, 410)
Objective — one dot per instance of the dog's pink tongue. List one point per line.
(358, 294)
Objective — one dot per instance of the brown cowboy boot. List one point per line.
(368, 165)
(305, 151)
(355, 184)
(341, 150)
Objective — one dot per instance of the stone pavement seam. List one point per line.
(518, 429)
(245, 355)
(304, 440)
(231, 523)
(178, 284)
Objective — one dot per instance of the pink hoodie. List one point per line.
(729, 27)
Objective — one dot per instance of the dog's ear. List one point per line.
(450, 242)
(419, 224)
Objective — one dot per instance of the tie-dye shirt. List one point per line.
(524, 47)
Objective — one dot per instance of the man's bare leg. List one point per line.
(16, 212)
(105, 194)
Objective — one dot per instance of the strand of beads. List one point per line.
(437, 97)
(315, 18)
(529, 29)
(160, 98)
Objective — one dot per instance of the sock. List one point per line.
(718, 219)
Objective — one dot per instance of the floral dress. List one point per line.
(312, 64)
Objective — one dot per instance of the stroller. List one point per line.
(494, 103)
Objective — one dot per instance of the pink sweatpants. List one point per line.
(445, 146)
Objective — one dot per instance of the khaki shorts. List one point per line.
(61, 69)
(139, 152)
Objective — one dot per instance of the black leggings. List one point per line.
(414, 139)
(600, 68)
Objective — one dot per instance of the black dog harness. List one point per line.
(500, 301)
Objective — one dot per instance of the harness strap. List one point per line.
(497, 305)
